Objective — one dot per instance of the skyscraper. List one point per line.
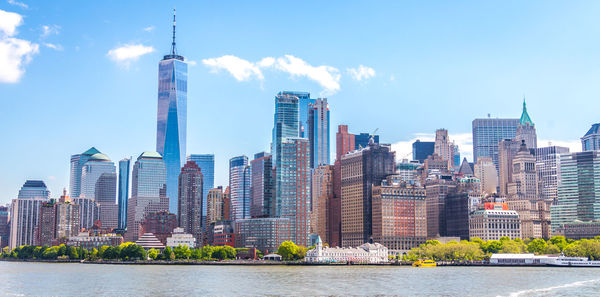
(422, 149)
(443, 146)
(487, 133)
(239, 183)
(318, 136)
(487, 174)
(189, 208)
(25, 212)
(507, 150)
(171, 120)
(148, 191)
(106, 187)
(261, 200)
(58, 219)
(591, 140)
(526, 129)
(34, 189)
(344, 144)
(77, 162)
(123, 196)
(547, 166)
(215, 203)
(286, 121)
(206, 162)
(322, 193)
(4, 227)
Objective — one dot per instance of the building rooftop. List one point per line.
(91, 151)
(525, 119)
(99, 157)
(34, 184)
(152, 155)
(595, 129)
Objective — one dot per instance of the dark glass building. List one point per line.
(422, 149)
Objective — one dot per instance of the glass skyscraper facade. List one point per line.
(286, 121)
(34, 189)
(422, 149)
(171, 121)
(77, 162)
(487, 134)
(318, 126)
(239, 186)
(123, 195)
(206, 162)
(591, 140)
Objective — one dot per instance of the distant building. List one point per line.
(436, 192)
(148, 192)
(372, 253)
(318, 132)
(362, 140)
(436, 165)
(488, 132)
(457, 206)
(466, 169)
(547, 167)
(344, 144)
(578, 230)
(189, 208)
(409, 172)
(492, 224)
(149, 241)
(265, 234)
(4, 226)
(487, 174)
(179, 237)
(262, 186)
(206, 162)
(591, 140)
(322, 193)
(86, 241)
(422, 149)
(34, 189)
(58, 220)
(123, 195)
(526, 129)
(399, 215)
(216, 200)
(221, 233)
(443, 147)
(239, 183)
(89, 211)
(77, 163)
(25, 213)
(161, 224)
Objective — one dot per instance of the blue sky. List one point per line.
(76, 74)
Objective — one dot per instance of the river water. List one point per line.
(54, 279)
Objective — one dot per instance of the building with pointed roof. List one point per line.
(526, 129)
(465, 168)
(591, 140)
(149, 241)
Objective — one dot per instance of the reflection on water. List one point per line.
(42, 279)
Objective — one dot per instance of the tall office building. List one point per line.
(58, 220)
(148, 192)
(286, 121)
(443, 147)
(591, 140)
(399, 215)
(344, 144)
(304, 109)
(526, 129)
(89, 211)
(123, 195)
(206, 162)
(486, 172)
(579, 190)
(547, 167)
(360, 171)
(261, 196)
(422, 149)
(216, 205)
(322, 193)
(318, 136)
(487, 133)
(96, 166)
(189, 208)
(507, 150)
(362, 140)
(436, 192)
(4, 226)
(106, 187)
(455, 156)
(77, 162)
(239, 183)
(25, 212)
(171, 120)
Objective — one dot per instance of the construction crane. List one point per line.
(372, 138)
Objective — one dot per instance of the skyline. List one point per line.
(69, 128)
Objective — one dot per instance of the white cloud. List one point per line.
(128, 53)
(192, 63)
(14, 53)
(56, 47)
(240, 69)
(50, 30)
(361, 73)
(464, 141)
(149, 29)
(17, 3)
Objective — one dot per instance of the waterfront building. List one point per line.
(372, 253)
(579, 189)
(443, 147)
(488, 132)
(399, 214)
(486, 172)
(261, 196)
(89, 211)
(58, 220)
(547, 167)
(4, 226)
(360, 171)
(437, 190)
(344, 144)
(221, 233)
(591, 140)
(492, 224)
(76, 172)
(578, 230)
(361, 140)
(86, 241)
(180, 237)
(526, 129)
(161, 224)
(148, 191)
(216, 200)
(206, 162)
(239, 183)
(25, 212)
(265, 234)
(408, 172)
(149, 241)
(189, 208)
(507, 150)
(171, 119)
(318, 135)
(322, 192)
(123, 195)
(422, 149)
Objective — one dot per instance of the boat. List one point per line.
(424, 263)
(573, 262)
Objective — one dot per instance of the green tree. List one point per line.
(62, 250)
(93, 255)
(168, 254)
(182, 252)
(207, 252)
(102, 251)
(287, 250)
(537, 246)
(196, 254)
(73, 254)
(559, 241)
(50, 253)
(552, 249)
(512, 247)
(492, 246)
(153, 254)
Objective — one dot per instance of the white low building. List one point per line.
(520, 259)
(366, 253)
(179, 237)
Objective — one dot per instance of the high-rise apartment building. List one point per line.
(189, 208)
(547, 167)
(443, 147)
(58, 220)
(422, 149)
(436, 192)
(261, 200)
(487, 133)
(322, 193)
(216, 205)
(123, 192)
(25, 212)
(526, 129)
(239, 184)
(318, 136)
(171, 119)
(591, 140)
(206, 162)
(507, 150)
(89, 211)
(286, 121)
(360, 171)
(399, 215)
(148, 192)
(344, 144)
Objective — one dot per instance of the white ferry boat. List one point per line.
(573, 262)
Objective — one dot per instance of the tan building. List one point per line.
(322, 192)
(507, 149)
(485, 170)
(492, 224)
(215, 200)
(443, 147)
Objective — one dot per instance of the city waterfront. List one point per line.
(53, 279)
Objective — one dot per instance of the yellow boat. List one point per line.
(424, 263)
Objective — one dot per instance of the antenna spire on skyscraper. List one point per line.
(173, 50)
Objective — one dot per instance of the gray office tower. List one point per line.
(206, 162)
(487, 133)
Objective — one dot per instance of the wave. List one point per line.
(570, 285)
